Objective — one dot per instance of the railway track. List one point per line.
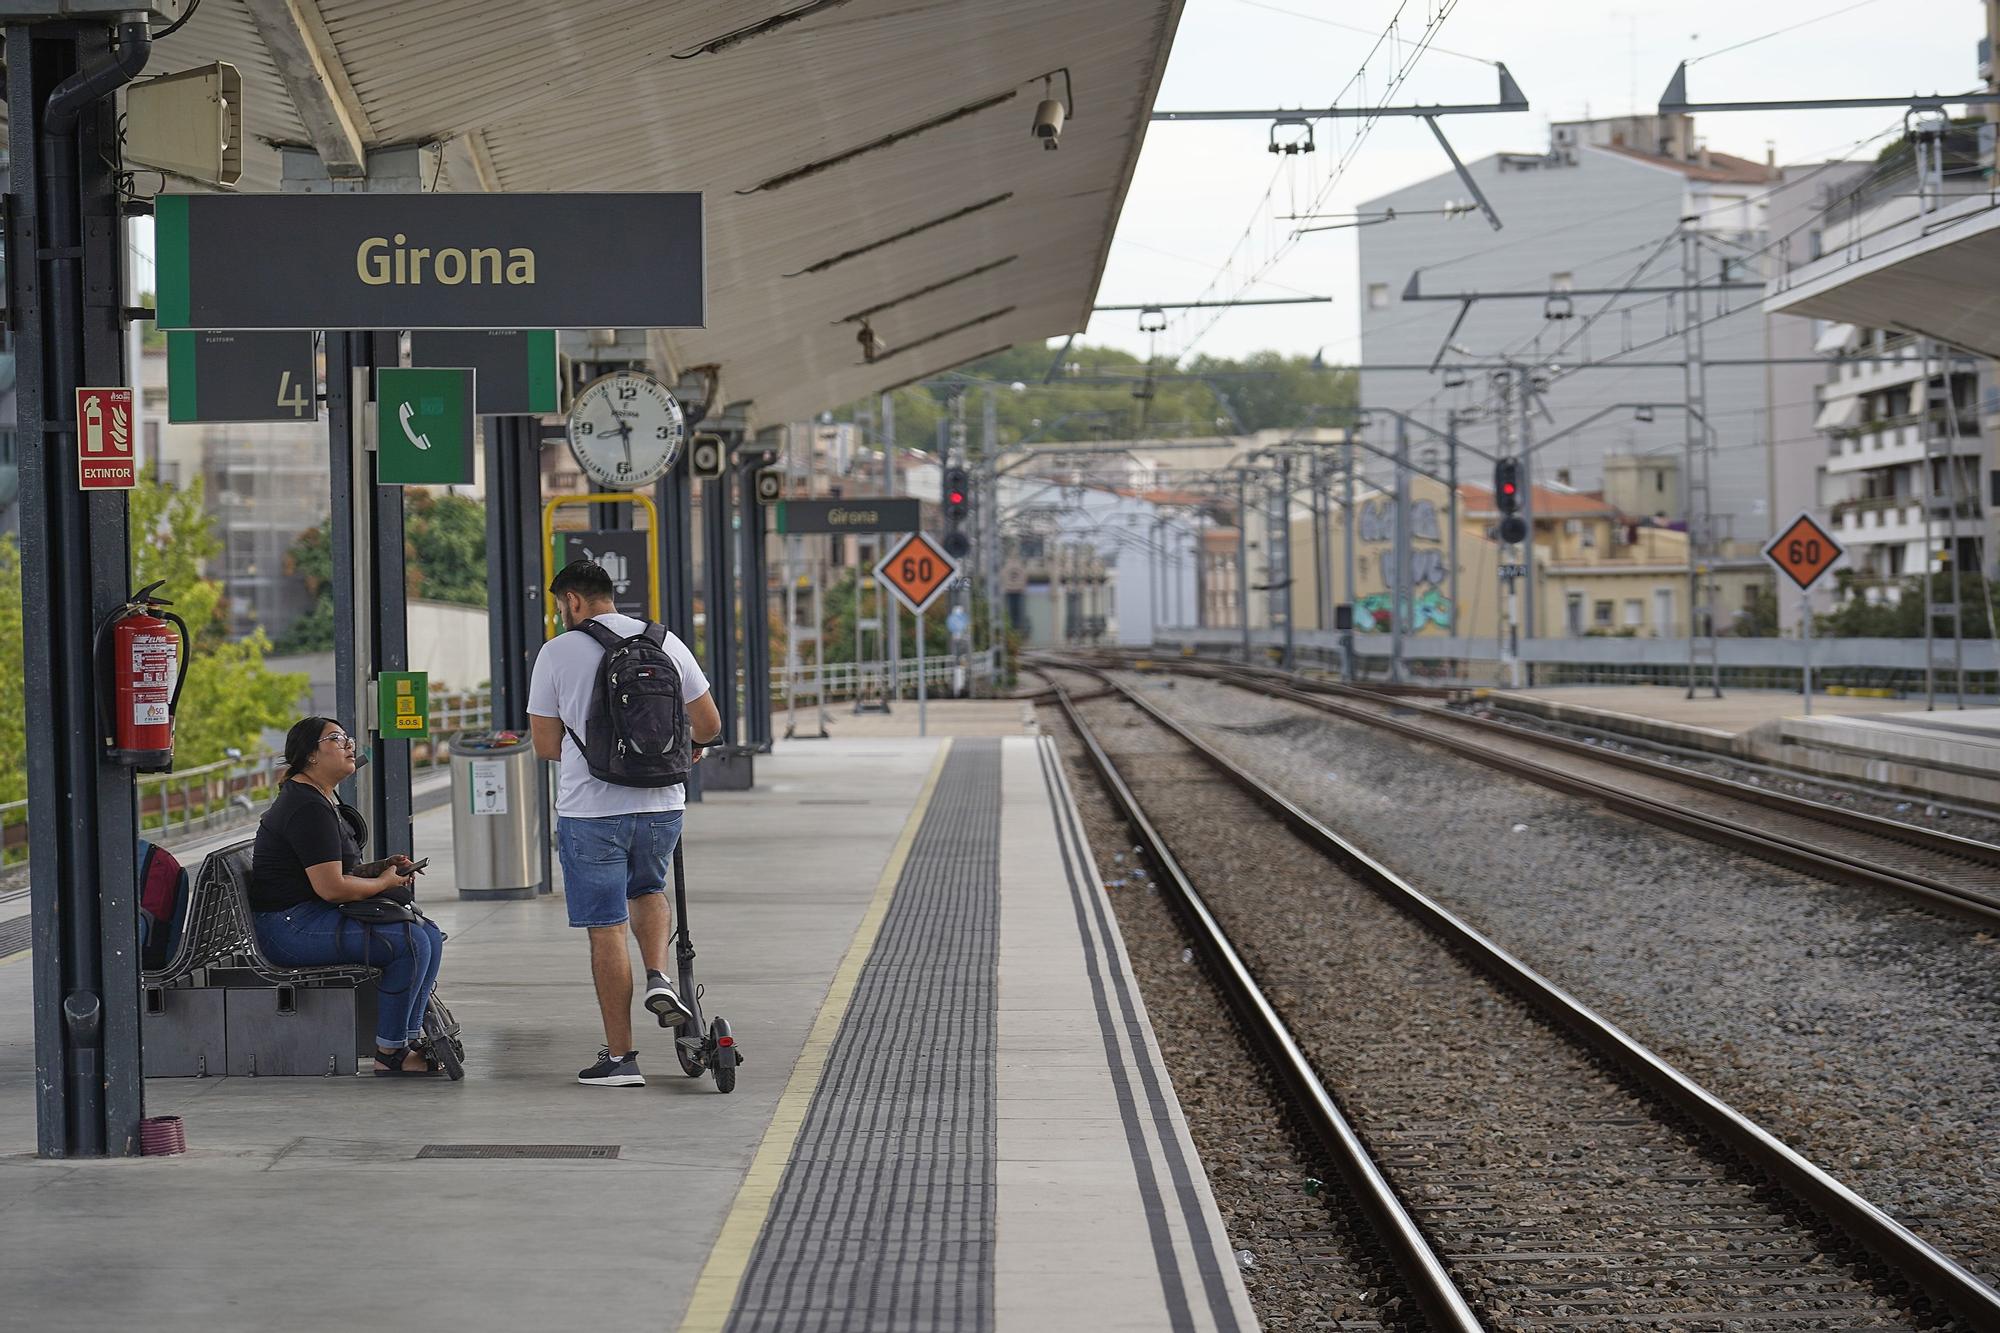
(1960, 876)
(1527, 1164)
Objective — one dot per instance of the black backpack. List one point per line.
(638, 733)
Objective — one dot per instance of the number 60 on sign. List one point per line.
(916, 570)
(1804, 551)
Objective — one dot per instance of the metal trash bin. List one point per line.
(497, 821)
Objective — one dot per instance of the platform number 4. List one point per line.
(293, 394)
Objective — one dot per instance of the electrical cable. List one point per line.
(178, 23)
(1350, 27)
(1278, 250)
(1779, 32)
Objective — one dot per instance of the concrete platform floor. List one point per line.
(299, 1203)
(1737, 712)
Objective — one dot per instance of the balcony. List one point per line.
(1895, 442)
(1894, 520)
(1902, 361)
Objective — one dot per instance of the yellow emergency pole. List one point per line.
(636, 499)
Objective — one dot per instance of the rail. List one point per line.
(1418, 1264)
(1918, 1261)
(1765, 843)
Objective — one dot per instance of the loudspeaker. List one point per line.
(708, 457)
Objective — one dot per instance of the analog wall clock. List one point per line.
(625, 430)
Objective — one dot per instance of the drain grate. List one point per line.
(515, 1152)
(15, 934)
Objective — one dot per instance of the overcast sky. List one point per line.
(1201, 187)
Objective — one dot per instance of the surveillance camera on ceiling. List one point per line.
(1049, 122)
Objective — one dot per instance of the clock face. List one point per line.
(625, 430)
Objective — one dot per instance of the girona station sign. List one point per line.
(430, 261)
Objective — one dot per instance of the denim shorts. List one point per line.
(608, 860)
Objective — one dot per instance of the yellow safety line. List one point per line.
(15, 957)
(715, 1290)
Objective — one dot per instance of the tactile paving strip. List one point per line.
(884, 1220)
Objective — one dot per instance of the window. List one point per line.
(1600, 614)
(1663, 612)
(1573, 613)
(1378, 296)
(1635, 612)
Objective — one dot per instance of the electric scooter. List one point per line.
(702, 1049)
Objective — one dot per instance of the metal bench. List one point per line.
(220, 1005)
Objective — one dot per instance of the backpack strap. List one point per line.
(656, 633)
(605, 637)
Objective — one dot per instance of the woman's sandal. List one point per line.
(389, 1064)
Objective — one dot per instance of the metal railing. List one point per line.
(842, 680)
(177, 806)
(1848, 664)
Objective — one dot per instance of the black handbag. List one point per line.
(384, 909)
(393, 907)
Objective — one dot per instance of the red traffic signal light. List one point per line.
(955, 497)
(1506, 484)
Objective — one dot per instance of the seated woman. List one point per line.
(306, 864)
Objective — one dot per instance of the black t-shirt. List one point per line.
(302, 828)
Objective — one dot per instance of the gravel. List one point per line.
(1557, 1197)
(1864, 1033)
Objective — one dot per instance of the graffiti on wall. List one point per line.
(1428, 574)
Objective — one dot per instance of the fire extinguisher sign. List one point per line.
(106, 455)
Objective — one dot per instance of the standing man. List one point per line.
(619, 702)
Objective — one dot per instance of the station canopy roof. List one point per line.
(1936, 274)
(860, 156)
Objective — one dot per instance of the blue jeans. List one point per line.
(607, 861)
(315, 934)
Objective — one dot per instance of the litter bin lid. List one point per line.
(489, 742)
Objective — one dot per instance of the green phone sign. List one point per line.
(423, 426)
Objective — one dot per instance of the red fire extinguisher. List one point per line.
(142, 662)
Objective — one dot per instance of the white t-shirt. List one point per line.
(564, 679)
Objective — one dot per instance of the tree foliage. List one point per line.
(444, 545)
(231, 696)
(1267, 390)
(1903, 618)
(445, 540)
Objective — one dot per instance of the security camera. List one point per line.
(1049, 122)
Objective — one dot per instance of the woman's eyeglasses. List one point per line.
(338, 738)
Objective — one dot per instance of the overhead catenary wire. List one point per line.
(1262, 213)
(1776, 32)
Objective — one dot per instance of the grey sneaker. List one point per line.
(664, 1001)
(610, 1071)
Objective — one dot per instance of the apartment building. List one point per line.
(1904, 458)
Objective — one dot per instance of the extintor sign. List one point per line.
(106, 458)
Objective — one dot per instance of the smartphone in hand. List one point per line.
(418, 868)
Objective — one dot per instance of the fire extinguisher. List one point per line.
(142, 661)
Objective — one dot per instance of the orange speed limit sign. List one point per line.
(1803, 551)
(917, 570)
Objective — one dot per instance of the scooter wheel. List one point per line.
(724, 1055)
